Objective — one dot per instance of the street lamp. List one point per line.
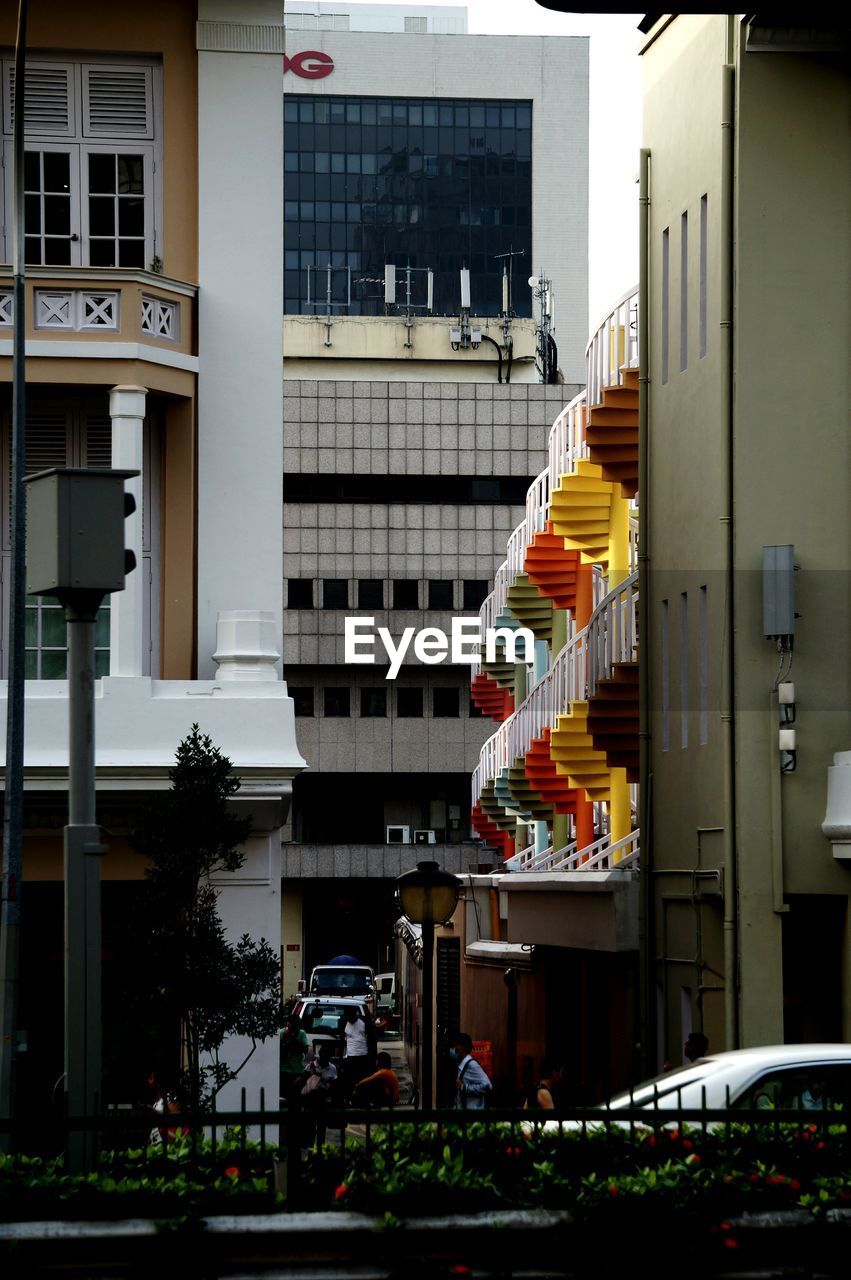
(428, 897)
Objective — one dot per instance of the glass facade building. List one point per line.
(416, 182)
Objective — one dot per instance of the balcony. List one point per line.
(107, 314)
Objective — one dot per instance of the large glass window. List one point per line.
(439, 183)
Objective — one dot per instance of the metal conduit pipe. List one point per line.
(731, 888)
(646, 925)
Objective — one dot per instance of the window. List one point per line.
(440, 595)
(444, 703)
(406, 593)
(453, 177)
(370, 593)
(704, 669)
(683, 293)
(409, 702)
(90, 173)
(300, 593)
(416, 24)
(814, 1087)
(335, 594)
(373, 702)
(684, 669)
(704, 231)
(475, 593)
(302, 700)
(337, 700)
(666, 266)
(77, 434)
(666, 677)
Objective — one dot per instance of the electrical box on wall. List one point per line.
(778, 592)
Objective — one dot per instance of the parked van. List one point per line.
(348, 981)
(385, 990)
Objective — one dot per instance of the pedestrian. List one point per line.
(543, 1096)
(696, 1046)
(472, 1083)
(381, 1089)
(294, 1047)
(357, 1031)
(318, 1091)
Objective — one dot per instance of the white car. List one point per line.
(320, 1018)
(808, 1077)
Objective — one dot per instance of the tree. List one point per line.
(199, 986)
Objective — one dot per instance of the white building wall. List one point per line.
(552, 73)
(240, 401)
(240, 449)
(312, 15)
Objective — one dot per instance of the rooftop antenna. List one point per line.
(507, 313)
(329, 302)
(547, 352)
(464, 335)
(409, 306)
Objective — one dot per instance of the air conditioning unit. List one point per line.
(398, 835)
(424, 837)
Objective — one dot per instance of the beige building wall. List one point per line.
(790, 468)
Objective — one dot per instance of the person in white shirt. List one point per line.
(360, 1043)
(472, 1084)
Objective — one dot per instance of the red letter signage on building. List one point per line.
(310, 65)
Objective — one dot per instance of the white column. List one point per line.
(127, 613)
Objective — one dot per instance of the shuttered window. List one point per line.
(91, 172)
(78, 436)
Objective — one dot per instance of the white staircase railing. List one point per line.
(602, 855)
(551, 697)
(567, 439)
(613, 345)
(613, 631)
(537, 504)
(516, 557)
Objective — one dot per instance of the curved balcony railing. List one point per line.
(562, 684)
(602, 855)
(613, 631)
(613, 345)
(567, 439)
(516, 557)
(537, 504)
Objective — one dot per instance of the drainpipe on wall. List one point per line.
(731, 888)
(646, 928)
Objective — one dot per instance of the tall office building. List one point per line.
(411, 434)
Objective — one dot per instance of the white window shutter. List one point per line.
(117, 101)
(49, 105)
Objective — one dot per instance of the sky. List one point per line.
(615, 130)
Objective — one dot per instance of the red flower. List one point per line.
(459, 1270)
(693, 1159)
(613, 1189)
(232, 1171)
(805, 1137)
(730, 1243)
(726, 1226)
(341, 1191)
(753, 1177)
(811, 1128)
(687, 1144)
(794, 1185)
(775, 1180)
(651, 1141)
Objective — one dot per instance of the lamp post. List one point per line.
(428, 897)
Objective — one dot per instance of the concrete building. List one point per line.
(408, 449)
(747, 406)
(137, 170)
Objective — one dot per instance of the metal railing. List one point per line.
(613, 346)
(613, 631)
(567, 439)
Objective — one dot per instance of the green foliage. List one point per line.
(198, 986)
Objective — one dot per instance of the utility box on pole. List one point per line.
(75, 552)
(75, 533)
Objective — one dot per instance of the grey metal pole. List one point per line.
(82, 887)
(427, 1083)
(10, 902)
